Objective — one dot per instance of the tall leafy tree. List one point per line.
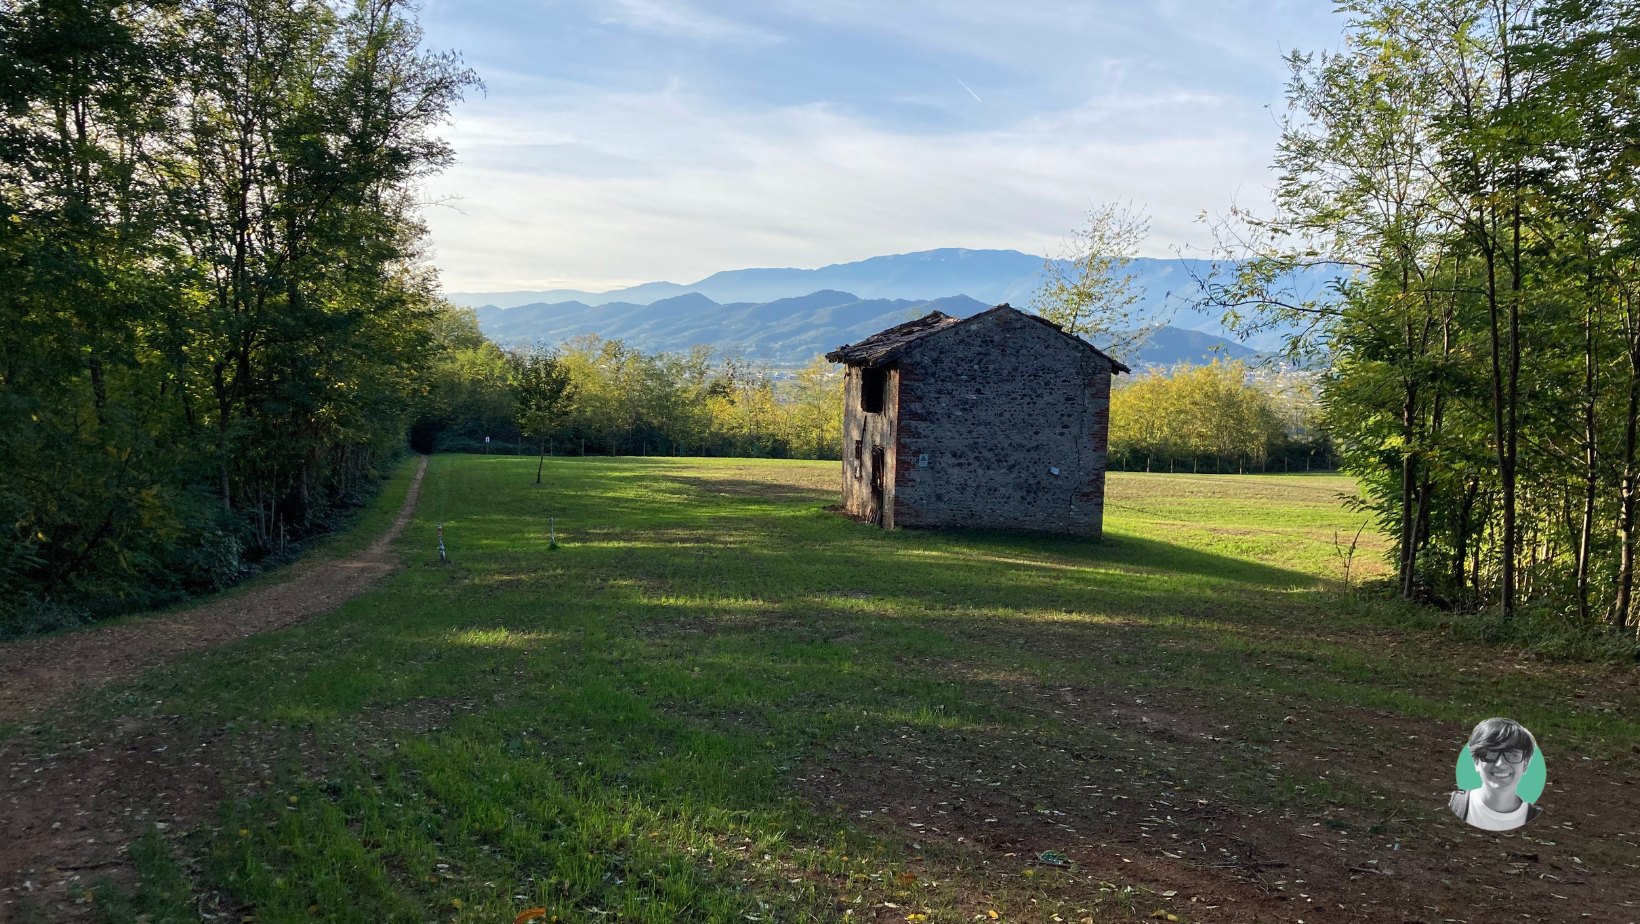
(210, 278)
(1460, 169)
(545, 394)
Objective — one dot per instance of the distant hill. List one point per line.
(1170, 345)
(784, 332)
(787, 331)
(989, 277)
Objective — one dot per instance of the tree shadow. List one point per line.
(765, 516)
(747, 487)
(694, 646)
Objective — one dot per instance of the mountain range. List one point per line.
(991, 276)
(783, 332)
(785, 316)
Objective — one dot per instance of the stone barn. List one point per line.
(1000, 420)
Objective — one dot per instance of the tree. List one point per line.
(1464, 171)
(545, 394)
(469, 388)
(628, 402)
(211, 283)
(1217, 411)
(817, 407)
(304, 129)
(1088, 290)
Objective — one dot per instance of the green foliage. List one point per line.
(545, 392)
(1221, 412)
(1089, 290)
(207, 277)
(593, 396)
(1465, 170)
(471, 387)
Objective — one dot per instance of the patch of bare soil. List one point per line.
(69, 808)
(68, 814)
(1151, 789)
(37, 673)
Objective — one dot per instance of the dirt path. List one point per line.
(69, 809)
(39, 673)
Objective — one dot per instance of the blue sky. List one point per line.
(626, 141)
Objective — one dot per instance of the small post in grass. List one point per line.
(441, 557)
(552, 536)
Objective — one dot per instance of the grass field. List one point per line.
(716, 701)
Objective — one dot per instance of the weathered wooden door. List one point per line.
(878, 464)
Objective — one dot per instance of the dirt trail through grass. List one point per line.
(713, 701)
(38, 673)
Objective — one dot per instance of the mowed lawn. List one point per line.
(1297, 522)
(717, 701)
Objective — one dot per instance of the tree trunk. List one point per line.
(1460, 545)
(1420, 525)
(1508, 435)
(224, 409)
(1504, 439)
(1409, 475)
(1631, 483)
(1585, 536)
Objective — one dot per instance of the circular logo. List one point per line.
(1531, 781)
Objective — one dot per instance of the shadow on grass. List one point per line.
(1151, 555)
(636, 702)
(743, 487)
(668, 501)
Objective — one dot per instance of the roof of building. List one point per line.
(885, 346)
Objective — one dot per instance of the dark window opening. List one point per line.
(873, 382)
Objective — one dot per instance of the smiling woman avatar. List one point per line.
(1507, 775)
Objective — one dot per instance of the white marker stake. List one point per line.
(441, 543)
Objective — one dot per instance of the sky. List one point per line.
(626, 141)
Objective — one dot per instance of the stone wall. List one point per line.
(988, 410)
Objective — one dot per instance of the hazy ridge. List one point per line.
(786, 316)
(990, 276)
(785, 332)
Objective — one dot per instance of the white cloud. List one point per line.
(625, 188)
(674, 18)
(807, 132)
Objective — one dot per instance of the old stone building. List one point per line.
(999, 420)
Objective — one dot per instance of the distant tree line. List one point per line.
(623, 401)
(1220, 418)
(215, 315)
(1469, 170)
(608, 398)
